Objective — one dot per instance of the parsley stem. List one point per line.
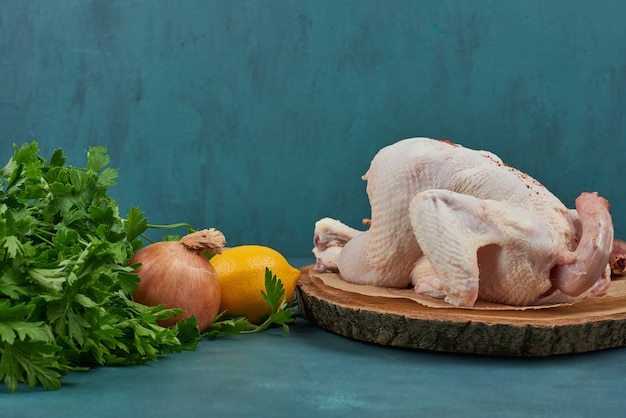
(172, 226)
(46, 240)
(190, 229)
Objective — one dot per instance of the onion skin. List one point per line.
(178, 275)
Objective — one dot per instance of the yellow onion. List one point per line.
(178, 275)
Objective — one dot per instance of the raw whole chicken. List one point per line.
(459, 224)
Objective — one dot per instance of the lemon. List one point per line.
(241, 273)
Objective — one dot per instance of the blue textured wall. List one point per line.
(259, 117)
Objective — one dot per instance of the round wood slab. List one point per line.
(591, 324)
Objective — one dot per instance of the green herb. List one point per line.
(282, 313)
(64, 281)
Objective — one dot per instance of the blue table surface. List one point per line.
(312, 372)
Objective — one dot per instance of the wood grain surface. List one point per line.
(589, 325)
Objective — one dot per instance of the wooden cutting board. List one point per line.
(588, 325)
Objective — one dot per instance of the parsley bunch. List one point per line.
(65, 285)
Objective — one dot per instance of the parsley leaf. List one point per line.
(281, 313)
(135, 224)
